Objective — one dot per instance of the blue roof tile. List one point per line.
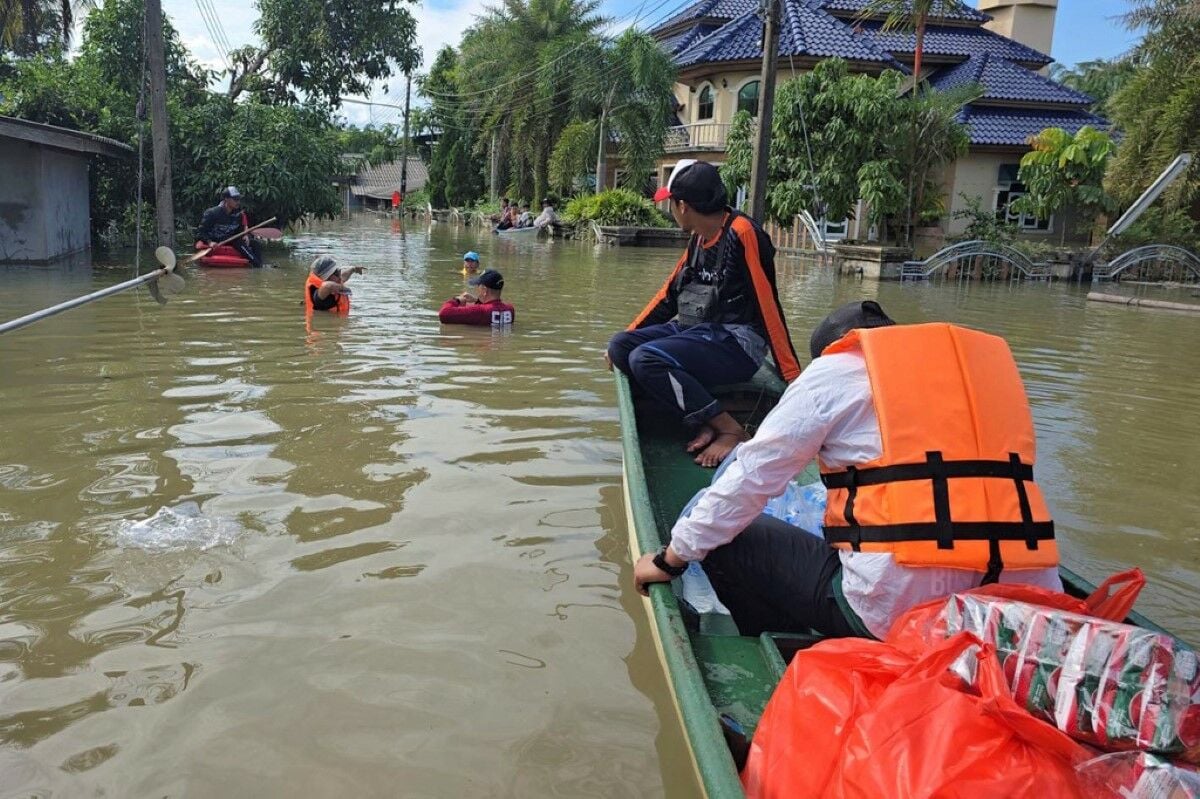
(1003, 80)
(686, 38)
(805, 30)
(946, 9)
(943, 40)
(708, 9)
(1013, 126)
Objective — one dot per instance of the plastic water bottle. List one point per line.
(698, 591)
(802, 506)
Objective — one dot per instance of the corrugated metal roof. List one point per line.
(1004, 80)
(805, 30)
(378, 182)
(945, 40)
(993, 125)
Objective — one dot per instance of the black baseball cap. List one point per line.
(490, 278)
(852, 315)
(697, 183)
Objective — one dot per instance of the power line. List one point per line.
(519, 78)
(208, 25)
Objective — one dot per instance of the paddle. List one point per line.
(234, 237)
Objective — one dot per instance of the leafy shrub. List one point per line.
(615, 207)
(983, 223)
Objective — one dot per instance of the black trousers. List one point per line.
(778, 578)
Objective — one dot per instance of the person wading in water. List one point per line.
(713, 321)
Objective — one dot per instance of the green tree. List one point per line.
(322, 49)
(519, 78)
(1065, 172)
(573, 156)
(739, 152)
(909, 15)
(1158, 109)
(834, 141)
(281, 156)
(29, 26)
(632, 87)
(1100, 78)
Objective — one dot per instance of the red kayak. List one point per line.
(222, 256)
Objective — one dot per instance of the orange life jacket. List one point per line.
(954, 485)
(314, 282)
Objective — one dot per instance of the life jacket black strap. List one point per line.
(930, 469)
(928, 531)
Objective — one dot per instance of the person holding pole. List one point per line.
(226, 219)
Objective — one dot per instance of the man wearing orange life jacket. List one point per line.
(926, 446)
(713, 321)
(325, 289)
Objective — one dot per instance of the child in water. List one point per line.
(470, 263)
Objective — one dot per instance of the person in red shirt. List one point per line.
(483, 308)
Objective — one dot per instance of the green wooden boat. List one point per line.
(710, 668)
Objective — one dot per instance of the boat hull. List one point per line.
(710, 668)
(223, 257)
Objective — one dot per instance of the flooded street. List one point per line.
(394, 558)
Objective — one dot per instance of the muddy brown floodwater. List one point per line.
(389, 558)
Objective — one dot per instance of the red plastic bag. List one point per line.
(856, 718)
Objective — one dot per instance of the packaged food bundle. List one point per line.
(1109, 684)
(1137, 775)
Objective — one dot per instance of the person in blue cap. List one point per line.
(470, 263)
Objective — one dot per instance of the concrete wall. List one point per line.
(724, 97)
(1030, 22)
(43, 203)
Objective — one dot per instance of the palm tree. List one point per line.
(521, 68)
(24, 23)
(908, 15)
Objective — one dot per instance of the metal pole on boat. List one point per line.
(172, 284)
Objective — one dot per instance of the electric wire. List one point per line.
(526, 76)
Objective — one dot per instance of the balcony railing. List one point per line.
(699, 136)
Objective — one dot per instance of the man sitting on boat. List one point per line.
(325, 289)
(548, 216)
(926, 445)
(714, 319)
(524, 218)
(226, 219)
(508, 217)
(483, 308)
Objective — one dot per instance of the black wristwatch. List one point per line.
(660, 560)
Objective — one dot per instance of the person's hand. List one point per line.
(645, 572)
(607, 361)
(467, 298)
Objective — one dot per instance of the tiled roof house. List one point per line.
(1001, 46)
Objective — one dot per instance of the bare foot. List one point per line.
(702, 439)
(722, 444)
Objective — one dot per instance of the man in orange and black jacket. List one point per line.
(715, 318)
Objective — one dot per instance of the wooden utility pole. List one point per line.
(766, 111)
(404, 162)
(164, 204)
